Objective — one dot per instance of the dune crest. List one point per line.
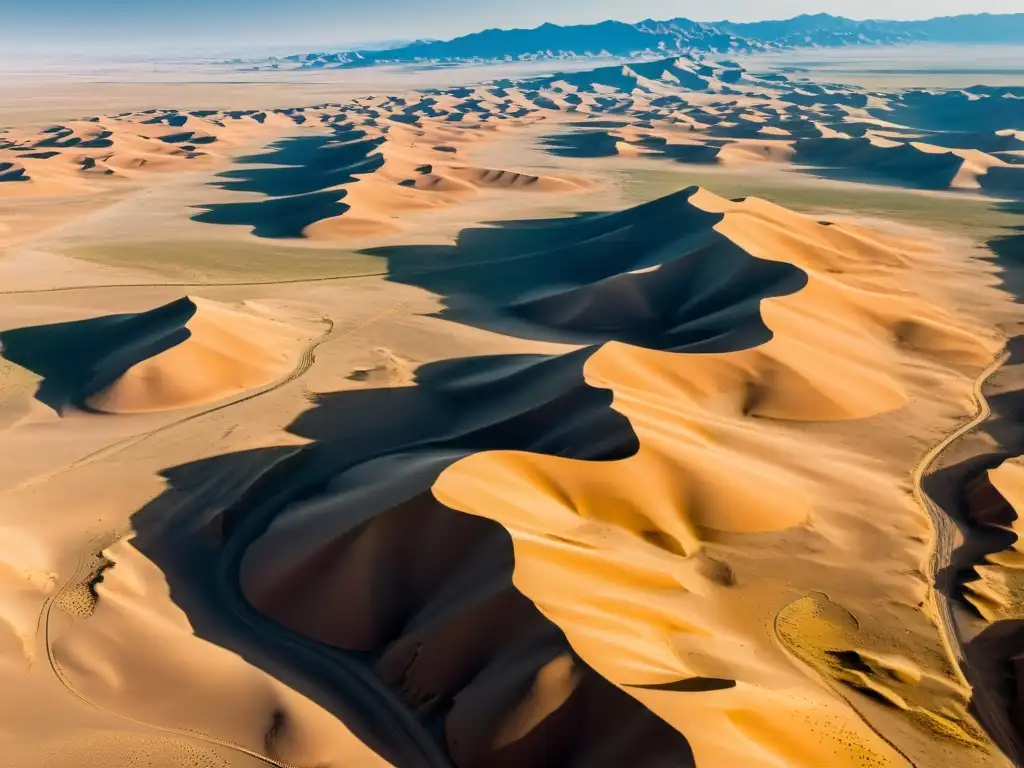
(612, 551)
(644, 555)
(224, 351)
(998, 592)
(186, 353)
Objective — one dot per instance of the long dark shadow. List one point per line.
(406, 571)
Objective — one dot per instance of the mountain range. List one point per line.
(673, 36)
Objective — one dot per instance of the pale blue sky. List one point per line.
(238, 24)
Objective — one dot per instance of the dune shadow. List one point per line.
(977, 109)
(201, 527)
(590, 143)
(1008, 251)
(302, 181)
(994, 654)
(859, 159)
(583, 144)
(79, 358)
(691, 685)
(303, 164)
(277, 217)
(9, 172)
(657, 275)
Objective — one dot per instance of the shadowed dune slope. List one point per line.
(996, 586)
(612, 552)
(617, 524)
(998, 592)
(658, 275)
(186, 353)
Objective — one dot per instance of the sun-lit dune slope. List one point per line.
(656, 543)
(189, 352)
(69, 159)
(359, 177)
(998, 592)
(916, 164)
(612, 552)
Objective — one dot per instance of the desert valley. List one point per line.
(572, 411)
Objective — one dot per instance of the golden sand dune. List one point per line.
(617, 567)
(186, 353)
(653, 565)
(225, 351)
(998, 592)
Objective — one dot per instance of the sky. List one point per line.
(137, 26)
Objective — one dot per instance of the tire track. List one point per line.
(45, 615)
(943, 527)
(372, 694)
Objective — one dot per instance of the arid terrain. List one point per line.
(655, 414)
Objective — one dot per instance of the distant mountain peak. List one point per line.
(678, 36)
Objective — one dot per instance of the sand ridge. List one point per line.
(639, 557)
(682, 419)
(187, 353)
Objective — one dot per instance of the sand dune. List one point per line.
(181, 355)
(998, 592)
(225, 352)
(404, 154)
(635, 538)
(363, 179)
(685, 410)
